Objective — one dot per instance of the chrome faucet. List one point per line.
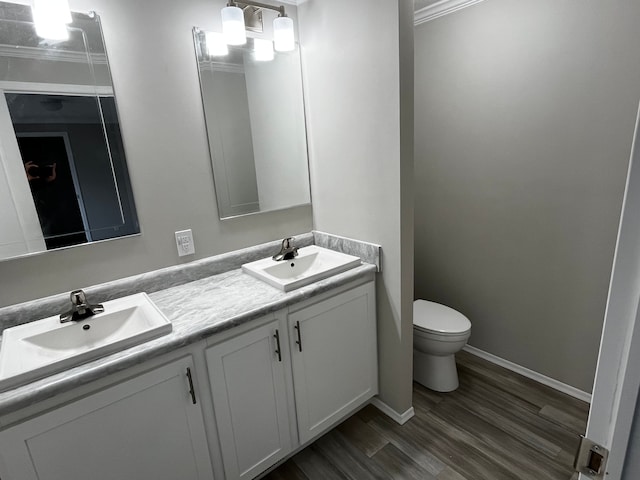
(287, 251)
(80, 309)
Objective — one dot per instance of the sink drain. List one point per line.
(86, 327)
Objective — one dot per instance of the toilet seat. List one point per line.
(440, 337)
(434, 318)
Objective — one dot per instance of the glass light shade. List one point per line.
(216, 46)
(51, 18)
(52, 31)
(283, 34)
(49, 24)
(262, 50)
(54, 10)
(233, 26)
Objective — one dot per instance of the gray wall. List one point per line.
(524, 121)
(150, 47)
(360, 164)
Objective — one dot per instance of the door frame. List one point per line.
(617, 379)
(72, 168)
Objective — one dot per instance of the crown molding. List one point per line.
(441, 8)
(56, 88)
(50, 54)
(220, 67)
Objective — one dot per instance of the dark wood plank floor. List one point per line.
(497, 426)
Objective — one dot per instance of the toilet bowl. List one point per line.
(438, 333)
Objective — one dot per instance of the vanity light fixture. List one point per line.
(262, 50)
(216, 46)
(233, 25)
(283, 34)
(51, 18)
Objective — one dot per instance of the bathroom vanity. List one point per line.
(248, 376)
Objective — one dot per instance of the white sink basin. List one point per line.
(313, 263)
(44, 347)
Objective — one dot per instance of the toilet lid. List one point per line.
(439, 318)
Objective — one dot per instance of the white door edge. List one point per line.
(617, 377)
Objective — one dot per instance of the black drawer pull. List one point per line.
(278, 352)
(299, 341)
(192, 391)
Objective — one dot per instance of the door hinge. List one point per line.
(591, 459)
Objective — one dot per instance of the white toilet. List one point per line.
(438, 333)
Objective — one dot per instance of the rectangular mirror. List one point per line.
(254, 112)
(63, 172)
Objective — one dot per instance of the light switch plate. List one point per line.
(184, 242)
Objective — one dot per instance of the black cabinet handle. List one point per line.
(277, 337)
(192, 391)
(299, 341)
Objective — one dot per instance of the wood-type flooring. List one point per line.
(498, 425)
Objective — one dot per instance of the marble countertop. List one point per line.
(197, 310)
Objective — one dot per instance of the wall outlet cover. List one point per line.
(184, 242)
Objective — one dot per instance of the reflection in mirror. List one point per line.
(254, 112)
(63, 172)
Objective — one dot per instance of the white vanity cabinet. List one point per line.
(334, 358)
(264, 389)
(323, 350)
(249, 376)
(147, 427)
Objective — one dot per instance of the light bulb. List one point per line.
(262, 50)
(55, 10)
(62, 6)
(51, 17)
(216, 46)
(283, 34)
(233, 26)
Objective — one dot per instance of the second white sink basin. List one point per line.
(44, 347)
(313, 263)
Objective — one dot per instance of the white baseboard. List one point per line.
(400, 418)
(525, 372)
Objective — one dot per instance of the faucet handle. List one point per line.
(286, 243)
(78, 297)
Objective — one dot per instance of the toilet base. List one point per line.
(435, 372)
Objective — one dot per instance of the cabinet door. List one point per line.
(334, 358)
(248, 385)
(143, 428)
